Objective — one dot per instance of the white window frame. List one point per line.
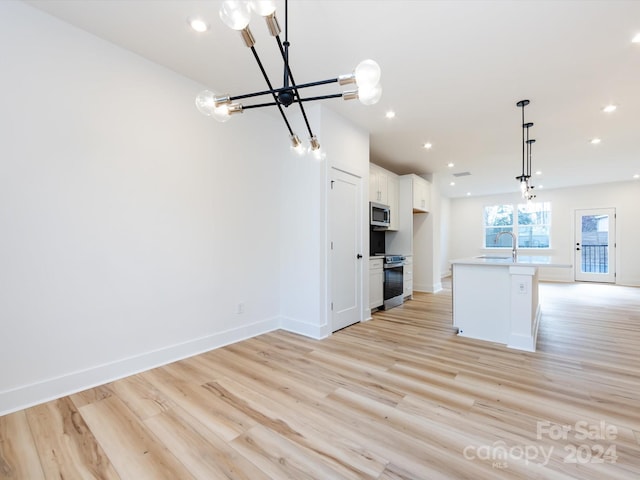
(515, 226)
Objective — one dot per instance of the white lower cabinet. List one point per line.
(407, 277)
(376, 282)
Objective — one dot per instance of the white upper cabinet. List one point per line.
(421, 194)
(378, 185)
(383, 188)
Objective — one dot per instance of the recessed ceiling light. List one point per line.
(452, 184)
(610, 108)
(427, 145)
(450, 165)
(390, 114)
(636, 176)
(540, 186)
(468, 194)
(539, 172)
(595, 141)
(636, 39)
(198, 24)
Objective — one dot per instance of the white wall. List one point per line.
(445, 234)
(132, 226)
(302, 232)
(426, 245)
(346, 147)
(466, 225)
(304, 272)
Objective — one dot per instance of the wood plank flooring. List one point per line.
(398, 397)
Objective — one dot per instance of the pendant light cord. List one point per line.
(523, 144)
(284, 51)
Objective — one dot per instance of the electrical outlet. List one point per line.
(240, 309)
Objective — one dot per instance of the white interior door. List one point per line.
(595, 247)
(345, 231)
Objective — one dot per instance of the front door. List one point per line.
(345, 231)
(595, 252)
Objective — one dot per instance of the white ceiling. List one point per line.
(451, 70)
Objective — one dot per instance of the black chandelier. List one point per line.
(526, 188)
(236, 15)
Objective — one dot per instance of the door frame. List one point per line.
(359, 247)
(610, 275)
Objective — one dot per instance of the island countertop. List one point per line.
(508, 260)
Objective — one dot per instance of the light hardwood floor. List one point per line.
(398, 397)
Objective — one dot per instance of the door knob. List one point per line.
(358, 256)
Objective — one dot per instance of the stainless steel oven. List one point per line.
(393, 281)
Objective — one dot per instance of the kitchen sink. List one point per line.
(494, 257)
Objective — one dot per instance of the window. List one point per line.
(531, 222)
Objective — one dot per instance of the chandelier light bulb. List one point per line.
(206, 104)
(235, 14)
(221, 113)
(370, 95)
(264, 8)
(523, 187)
(300, 150)
(367, 74)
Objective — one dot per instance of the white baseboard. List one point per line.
(35, 393)
(435, 288)
(317, 332)
(527, 342)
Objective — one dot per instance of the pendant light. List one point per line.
(237, 15)
(526, 189)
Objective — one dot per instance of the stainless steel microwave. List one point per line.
(379, 216)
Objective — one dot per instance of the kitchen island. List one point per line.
(495, 298)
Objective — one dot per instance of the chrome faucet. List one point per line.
(514, 240)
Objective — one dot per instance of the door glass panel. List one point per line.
(595, 244)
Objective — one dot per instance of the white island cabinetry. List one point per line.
(496, 299)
